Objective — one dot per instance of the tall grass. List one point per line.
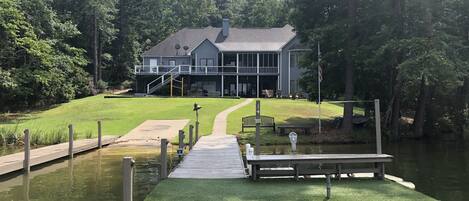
(37, 137)
(9, 136)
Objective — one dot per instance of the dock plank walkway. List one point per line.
(216, 156)
(212, 157)
(14, 162)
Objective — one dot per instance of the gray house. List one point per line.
(246, 62)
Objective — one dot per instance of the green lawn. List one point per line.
(284, 111)
(282, 190)
(119, 115)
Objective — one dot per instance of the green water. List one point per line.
(439, 169)
(93, 176)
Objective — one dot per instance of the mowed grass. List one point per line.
(118, 115)
(284, 111)
(281, 190)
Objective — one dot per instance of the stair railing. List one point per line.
(173, 71)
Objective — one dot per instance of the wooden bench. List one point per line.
(261, 164)
(250, 122)
(282, 128)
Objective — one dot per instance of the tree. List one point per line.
(95, 21)
(39, 65)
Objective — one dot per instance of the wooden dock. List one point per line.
(213, 157)
(261, 164)
(14, 162)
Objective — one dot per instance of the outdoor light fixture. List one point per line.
(196, 108)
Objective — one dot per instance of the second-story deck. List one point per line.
(204, 70)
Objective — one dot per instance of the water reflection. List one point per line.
(92, 176)
(439, 169)
(26, 187)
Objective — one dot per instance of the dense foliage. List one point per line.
(411, 54)
(53, 51)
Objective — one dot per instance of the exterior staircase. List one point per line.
(162, 81)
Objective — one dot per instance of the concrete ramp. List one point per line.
(150, 132)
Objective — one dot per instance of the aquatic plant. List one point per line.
(89, 135)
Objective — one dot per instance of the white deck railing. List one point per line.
(203, 70)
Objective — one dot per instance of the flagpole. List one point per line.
(319, 86)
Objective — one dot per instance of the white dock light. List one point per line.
(293, 140)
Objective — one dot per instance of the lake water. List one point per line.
(93, 176)
(438, 169)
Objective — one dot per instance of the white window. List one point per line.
(210, 62)
(153, 62)
(203, 62)
(172, 62)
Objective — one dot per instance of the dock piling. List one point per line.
(164, 159)
(258, 127)
(100, 144)
(180, 150)
(128, 164)
(27, 151)
(196, 131)
(378, 127)
(248, 154)
(70, 141)
(191, 132)
(328, 186)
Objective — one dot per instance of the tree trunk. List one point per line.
(396, 112)
(419, 118)
(95, 51)
(462, 104)
(348, 107)
(396, 90)
(100, 53)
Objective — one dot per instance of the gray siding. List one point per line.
(294, 71)
(206, 50)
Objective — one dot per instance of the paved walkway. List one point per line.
(14, 162)
(216, 156)
(219, 125)
(150, 132)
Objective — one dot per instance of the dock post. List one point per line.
(100, 144)
(258, 125)
(196, 131)
(27, 151)
(248, 154)
(70, 141)
(127, 176)
(378, 127)
(164, 159)
(328, 186)
(191, 132)
(180, 150)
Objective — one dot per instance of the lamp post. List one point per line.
(196, 108)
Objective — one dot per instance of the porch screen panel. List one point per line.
(247, 62)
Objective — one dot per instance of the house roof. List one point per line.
(239, 40)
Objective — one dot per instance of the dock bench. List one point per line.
(261, 163)
(250, 122)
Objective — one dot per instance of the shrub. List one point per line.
(127, 84)
(101, 86)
